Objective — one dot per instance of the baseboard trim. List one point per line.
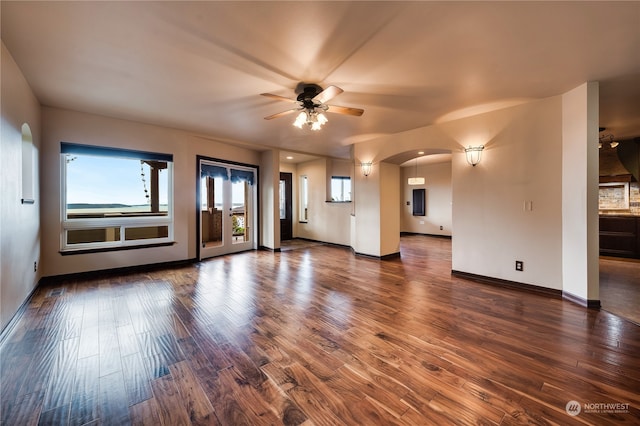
(513, 285)
(273, 250)
(390, 256)
(8, 329)
(407, 234)
(323, 242)
(116, 271)
(586, 303)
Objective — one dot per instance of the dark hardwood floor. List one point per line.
(315, 336)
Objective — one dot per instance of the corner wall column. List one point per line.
(580, 170)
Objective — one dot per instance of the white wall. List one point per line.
(580, 192)
(437, 200)
(269, 200)
(70, 126)
(19, 223)
(328, 222)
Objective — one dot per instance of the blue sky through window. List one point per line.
(105, 180)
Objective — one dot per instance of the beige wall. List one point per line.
(19, 223)
(521, 163)
(367, 218)
(437, 200)
(389, 211)
(70, 126)
(328, 222)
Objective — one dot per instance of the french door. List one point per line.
(228, 200)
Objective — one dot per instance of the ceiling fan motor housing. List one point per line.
(309, 91)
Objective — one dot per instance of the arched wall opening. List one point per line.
(505, 209)
(28, 165)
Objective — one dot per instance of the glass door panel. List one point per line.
(212, 226)
(239, 214)
(228, 195)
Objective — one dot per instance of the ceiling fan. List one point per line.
(312, 104)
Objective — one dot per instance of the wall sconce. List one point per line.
(474, 154)
(366, 168)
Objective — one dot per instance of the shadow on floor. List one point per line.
(298, 243)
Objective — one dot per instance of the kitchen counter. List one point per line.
(620, 235)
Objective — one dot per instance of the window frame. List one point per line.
(342, 179)
(123, 223)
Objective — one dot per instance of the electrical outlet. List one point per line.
(441, 228)
(408, 203)
(519, 265)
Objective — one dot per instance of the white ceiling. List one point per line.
(201, 66)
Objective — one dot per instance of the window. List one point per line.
(304, 198)
(340, 188)
(114, 198)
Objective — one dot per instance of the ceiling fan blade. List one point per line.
(280, 114)
(277, 97)
(327, 94)
(345, 110)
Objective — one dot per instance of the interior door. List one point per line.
(228, 197)
(286, 207)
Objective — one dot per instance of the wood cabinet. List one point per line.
(620, 236)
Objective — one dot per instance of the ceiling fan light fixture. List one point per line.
(301, 119)
(312, 105)
(311, 118)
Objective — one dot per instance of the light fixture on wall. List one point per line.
(607, 139)
(366, 168)
(474, 154)
(415, 180)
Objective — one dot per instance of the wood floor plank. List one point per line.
(313, 336)
(114, 407)
(62, 378)
(145, 413)
(136, 379)
(257, 410)
(25, 410)
(171, 409)
(318, 400)
(198, 406)
(85, 399)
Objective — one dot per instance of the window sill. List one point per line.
(119, 248)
